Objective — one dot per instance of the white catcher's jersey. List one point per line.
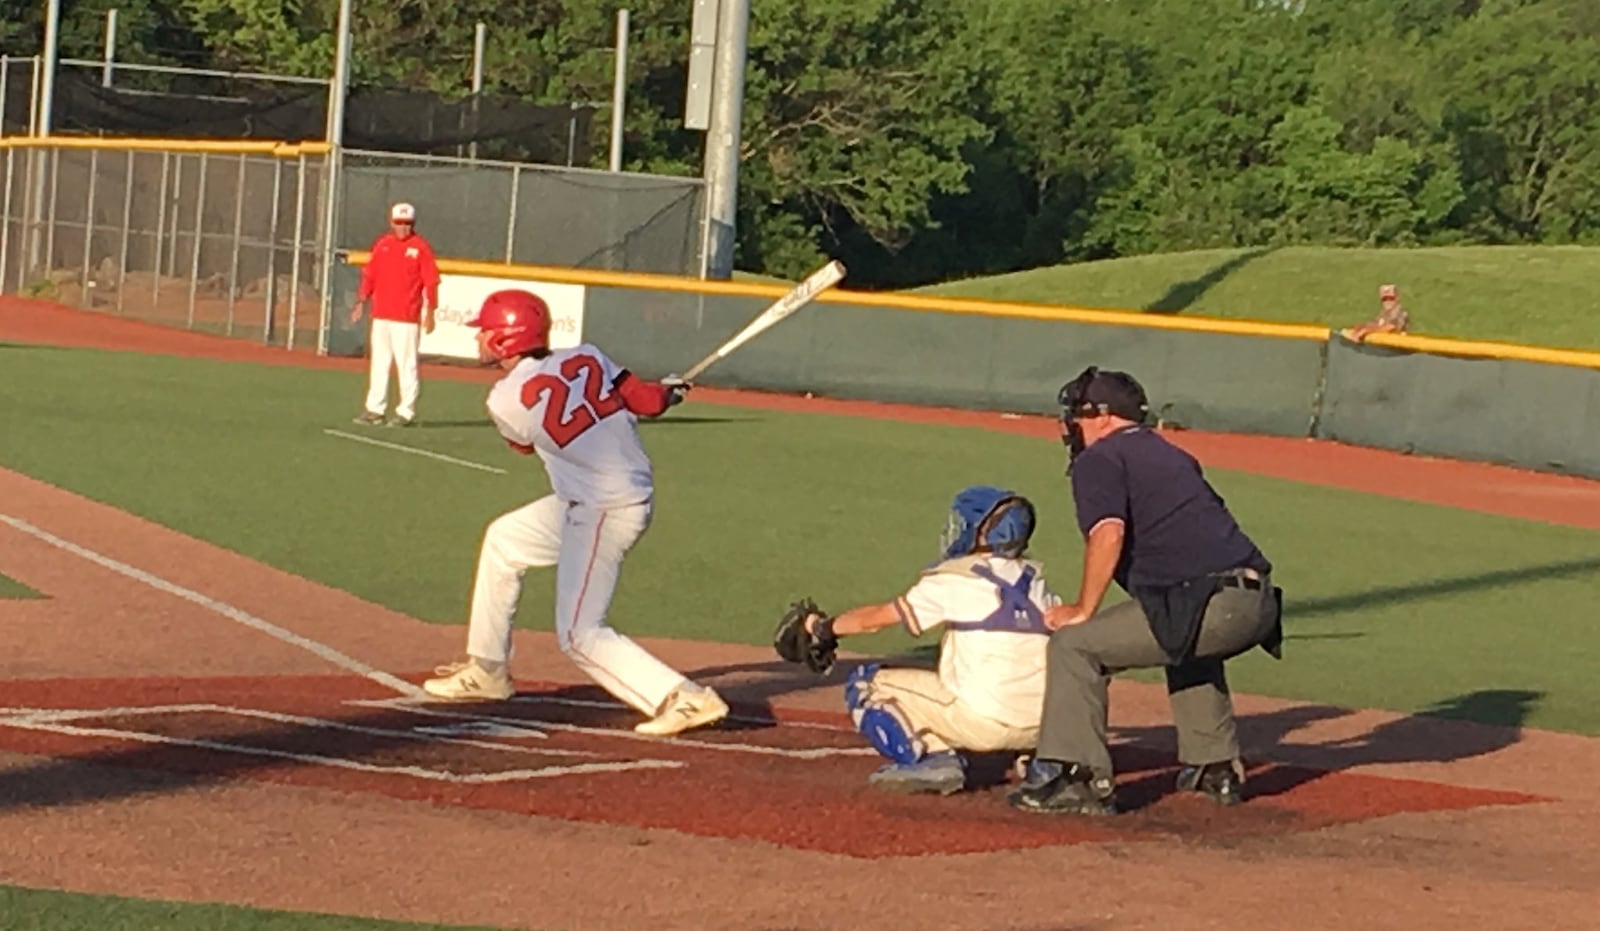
(566, 406)
(992, 652)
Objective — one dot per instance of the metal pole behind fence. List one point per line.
(721, 163)
(299, 238)
(55, 199)
(111, 47)
(238, 231)
(160, 231)
(5, 98)
(480, 34)
(619, 90)
(511, 214)
(35, 67)
(271, 297)
(333, 163)
(5, 222)
(88, 228)
(199, 228)
(127, 230)
(177, 198)
(572, 132)
(47, 92)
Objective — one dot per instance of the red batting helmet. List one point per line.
(517, 322)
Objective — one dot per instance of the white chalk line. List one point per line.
(226, 610)
(415, 451)
(743, 718)
(58, 715)
(809, 753)
(49, 720)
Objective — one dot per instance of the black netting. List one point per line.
(18, 95)
(415, 122)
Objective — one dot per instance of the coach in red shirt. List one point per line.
(401, 281)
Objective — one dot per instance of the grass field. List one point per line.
(12, 589)
(48, 910)
(1390, 604)
(1542, 295)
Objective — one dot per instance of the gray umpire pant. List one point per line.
(1082, 658)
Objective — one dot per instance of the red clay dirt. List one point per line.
(160, 742)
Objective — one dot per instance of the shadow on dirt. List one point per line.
(1452, 729)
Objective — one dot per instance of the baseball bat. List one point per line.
(804, 293)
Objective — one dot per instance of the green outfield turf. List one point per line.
(1542, 295)
(12, 589)
(47, 910)
(1390, 604)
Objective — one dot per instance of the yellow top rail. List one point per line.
(278, 149)
(1486, 350)
(893, 301)
(898, 301)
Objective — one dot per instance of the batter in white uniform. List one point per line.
(576, 409)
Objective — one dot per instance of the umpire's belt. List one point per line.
(1245, 578)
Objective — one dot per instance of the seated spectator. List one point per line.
(1391, 319)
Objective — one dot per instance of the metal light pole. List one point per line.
(111, 48)
(480, 37)
(47, 84)
(619, 90)
(722, 138)
(338, 90)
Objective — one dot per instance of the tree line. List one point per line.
(923, 140)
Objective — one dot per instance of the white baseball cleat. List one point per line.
(470, 682)
(685, 709)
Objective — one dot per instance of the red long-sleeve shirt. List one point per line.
(399, 275)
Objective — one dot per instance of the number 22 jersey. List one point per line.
(571, 408)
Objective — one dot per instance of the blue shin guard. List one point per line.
(881, 721)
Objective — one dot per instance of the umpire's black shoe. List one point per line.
(1063, 789)
(1223, 783)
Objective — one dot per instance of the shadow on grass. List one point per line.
(1421, 591)
(1184, 294)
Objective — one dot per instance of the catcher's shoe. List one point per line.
(1223, 782)
(685, 709)
(368, 418)
(939, 773)
(1063, 789)
(470, 682)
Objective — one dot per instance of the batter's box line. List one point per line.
(740, 718)
(810, 753)
(50, 720)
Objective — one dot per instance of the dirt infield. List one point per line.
(177, 721)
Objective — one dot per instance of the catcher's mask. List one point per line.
(1095, 393)
(986, 518)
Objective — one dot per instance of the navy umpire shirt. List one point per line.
(1177, 528)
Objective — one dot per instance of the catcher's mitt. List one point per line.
(795, 644)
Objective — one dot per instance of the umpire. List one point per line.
(1201, 593)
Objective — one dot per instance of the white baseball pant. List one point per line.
(586, 545)
(940, 719)
(393, 344)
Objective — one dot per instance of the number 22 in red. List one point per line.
(564, 426)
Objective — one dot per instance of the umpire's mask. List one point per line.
(1095, 393)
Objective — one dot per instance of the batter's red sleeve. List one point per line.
(645, 398)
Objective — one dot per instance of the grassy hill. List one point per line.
(1544, 295)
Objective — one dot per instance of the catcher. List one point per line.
(989, 688)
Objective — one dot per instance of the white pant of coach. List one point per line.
(393, 345)
(586, 545)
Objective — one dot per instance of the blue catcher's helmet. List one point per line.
(985, 517)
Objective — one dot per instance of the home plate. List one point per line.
(479, 729)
